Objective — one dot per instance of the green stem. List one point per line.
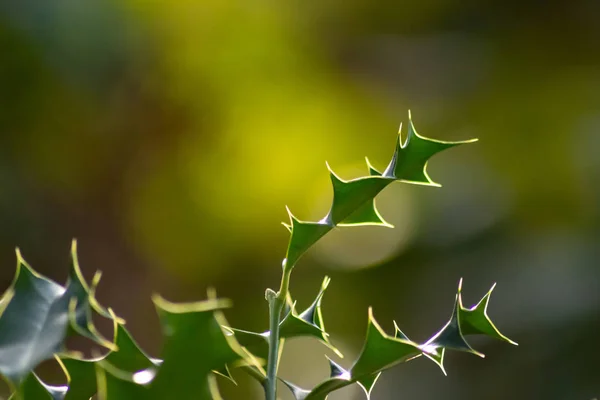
(276, 303)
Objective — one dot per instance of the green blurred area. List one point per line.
(167, 137)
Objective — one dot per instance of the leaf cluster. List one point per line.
(37, 315)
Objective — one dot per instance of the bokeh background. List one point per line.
(167, 137)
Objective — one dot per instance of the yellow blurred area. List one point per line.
(282, 111)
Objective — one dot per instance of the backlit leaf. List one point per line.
(354, 200)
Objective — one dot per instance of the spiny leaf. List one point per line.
(195, 345)
(34, 388)
(380, 351)
(37, 316)
(451, 337)
(82, 372)
(432, 353)
(354, 200)
(475, 320)
(409, 163)
(81, 318)
(307, 323)
(303, 235)
(463, 322)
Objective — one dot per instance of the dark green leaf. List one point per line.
(37, 316)
(129, 357)
(195, 345)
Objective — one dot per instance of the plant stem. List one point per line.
(276, 303)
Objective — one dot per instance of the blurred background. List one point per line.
(167, 137)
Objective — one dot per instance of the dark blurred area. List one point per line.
(167, 137)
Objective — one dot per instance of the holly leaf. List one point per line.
(309, 322)
(38, 314)
(354, 200)
(34, 388)
(82, 372)
(464, 322)
(195, 345)
(409, 163)
(380, 351)
(306, 323)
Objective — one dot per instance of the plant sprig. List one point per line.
(37, 315)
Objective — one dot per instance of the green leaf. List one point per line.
(409, 162)
(354, 200)
(37, 316)
(475, 320)
(129, 357)
(450, 336)
(195, 345)
(33, 388)
(307, 323)
(303, 235)
(463, 322)
(380, 351)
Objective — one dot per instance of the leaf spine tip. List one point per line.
(292, 218)
(211, 293)
(96, 279)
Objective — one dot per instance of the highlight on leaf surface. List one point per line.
(353, 201)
